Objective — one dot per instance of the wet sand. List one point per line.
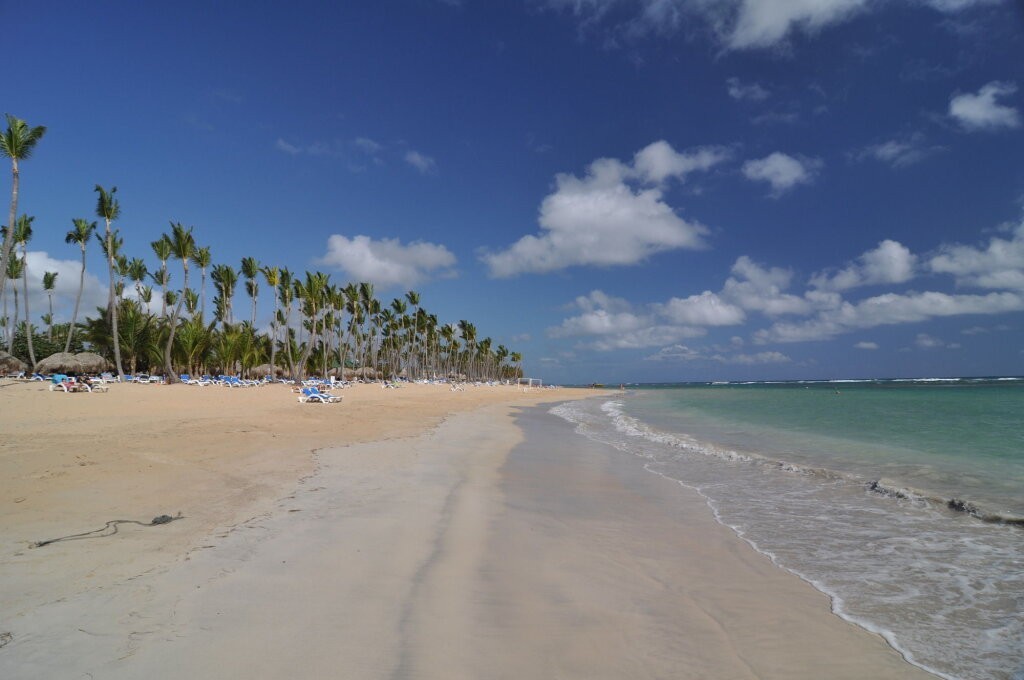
(474, 540)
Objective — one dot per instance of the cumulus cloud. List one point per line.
(679, 353)
(741, 91)
(611, 323)
(782, 171)
(981, 111)
(706, 309)
(866, 345)
(425, 164)
(762, 289)
(889, 309)
(387, 262)
(997, 265)
(891, 262)
(94, 292)
(614, 215)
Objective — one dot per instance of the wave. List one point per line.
(634, 427)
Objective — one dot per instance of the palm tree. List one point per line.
(162, 249)
(22, 235)
(183, 247)
(517, 359)
(273, 278)
(250, 269)
(225, 278)
(49, 283)
(80, 235)
(201, 258)
(413, 298)
(286, 294)
(15, 267)
(109, 209)
(312, 292)
(137, 272)
(16, 143)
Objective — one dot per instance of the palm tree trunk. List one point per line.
(112, 306)
(28, 316)
(273, 336)
(9, 239)
(14, 328)
(169, 374)
(78, 301)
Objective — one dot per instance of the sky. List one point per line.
(621, 190)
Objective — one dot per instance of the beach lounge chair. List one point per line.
(314, 395)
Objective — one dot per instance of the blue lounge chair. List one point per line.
(314, 395)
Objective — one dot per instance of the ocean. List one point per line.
(903, 500)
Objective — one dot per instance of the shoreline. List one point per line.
(458, 549)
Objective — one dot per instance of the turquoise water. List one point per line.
(943, 440)
(898, 499)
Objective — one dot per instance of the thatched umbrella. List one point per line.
(11, 364)
(267, 369)
(61, 362)
(92, 363)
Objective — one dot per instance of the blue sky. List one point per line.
(622, 190)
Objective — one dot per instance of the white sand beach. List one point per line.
(432, 534)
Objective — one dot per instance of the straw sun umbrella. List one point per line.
(61, 362)
(11, 364)
(267, 369)
(92, 363)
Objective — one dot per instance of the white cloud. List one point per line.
(425, 164)
(659, 161)
(759, 358)
(741, 91)
(289, 149)
(925, 341)
(614, 215)
(958, 5)
(94, 292)
(889, 309)
(866, 345)
(388, 262)
(706, 309)
(890, 262)
(678, 353)
(899, 153)
(999, 265)
(756, 288)
(765, 23)
(738, 24)
(980, 111)
(366, 145)
(781, 171)
(613, 323)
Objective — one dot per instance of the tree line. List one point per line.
(316, 326)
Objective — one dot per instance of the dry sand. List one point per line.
(413, 545)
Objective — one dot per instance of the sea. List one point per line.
(902, 500)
